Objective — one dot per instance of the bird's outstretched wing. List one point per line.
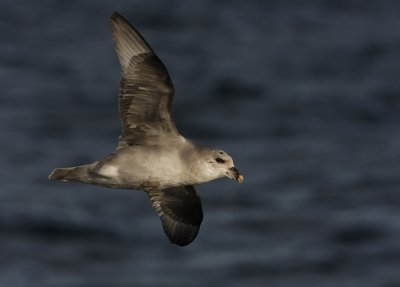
(146, 90)
(180, 212)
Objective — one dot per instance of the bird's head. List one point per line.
(221, 165)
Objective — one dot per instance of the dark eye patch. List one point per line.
(219, 160)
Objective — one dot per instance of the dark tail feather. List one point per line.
(69, 173)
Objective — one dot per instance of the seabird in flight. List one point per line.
(151, 154)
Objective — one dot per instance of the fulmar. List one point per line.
(151, 154)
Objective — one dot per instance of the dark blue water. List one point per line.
(304, 95)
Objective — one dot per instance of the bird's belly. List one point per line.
(144, 170)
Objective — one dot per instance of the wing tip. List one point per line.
(180, 212)
(179, 233)
(127, 40)
(182, 243)
(115, 16)
(117, 20)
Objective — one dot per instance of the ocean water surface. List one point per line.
(305, 96)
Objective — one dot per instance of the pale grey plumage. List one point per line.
(151, 154)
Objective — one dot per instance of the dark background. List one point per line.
(303, 94)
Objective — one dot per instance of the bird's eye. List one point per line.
(219, 160)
